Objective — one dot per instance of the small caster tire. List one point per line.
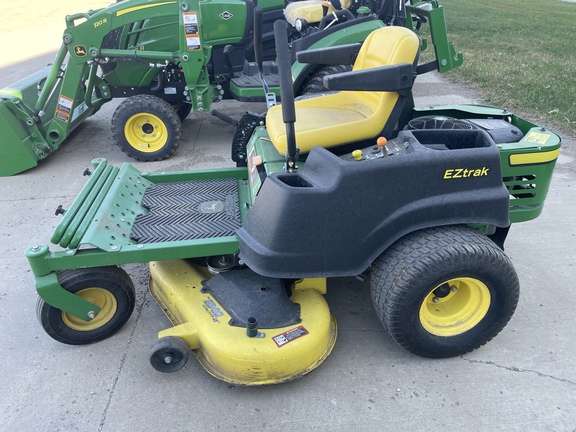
(169, 354)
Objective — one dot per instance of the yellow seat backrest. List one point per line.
(347, 116)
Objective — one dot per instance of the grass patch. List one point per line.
(520, 54)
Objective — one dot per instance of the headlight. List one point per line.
(301, 24)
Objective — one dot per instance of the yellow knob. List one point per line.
(357, 154)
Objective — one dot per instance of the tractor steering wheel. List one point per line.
(342, 15)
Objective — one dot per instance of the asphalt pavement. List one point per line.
(523, 380)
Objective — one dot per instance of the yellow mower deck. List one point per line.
(274, 355)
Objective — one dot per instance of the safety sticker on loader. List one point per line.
(191, 29)
(64, 109)
(290, 335)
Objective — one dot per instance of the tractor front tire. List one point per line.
(443, 292)
(110, 288)
(146, 128)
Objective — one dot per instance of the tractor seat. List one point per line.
(310, 10)
(347, 116)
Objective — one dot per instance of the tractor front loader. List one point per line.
(169, 58)
(355, 182)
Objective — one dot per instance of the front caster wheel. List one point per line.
(169, 354)
(146, 128)
(443, 292)
(110, 288)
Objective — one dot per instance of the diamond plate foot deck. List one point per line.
(188, 210)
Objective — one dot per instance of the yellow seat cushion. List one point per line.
(347, 116)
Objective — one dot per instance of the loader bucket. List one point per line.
(22, 141)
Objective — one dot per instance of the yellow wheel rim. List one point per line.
(455, 306)
(146, 132)
(100, 297)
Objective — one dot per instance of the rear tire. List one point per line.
(443, 292)
(315, 84)
(146, 128)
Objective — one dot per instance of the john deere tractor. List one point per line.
(354, 182)
(168, 58)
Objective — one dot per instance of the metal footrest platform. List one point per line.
(244, 81)
(188, 210)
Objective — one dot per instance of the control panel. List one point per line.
(383, 148)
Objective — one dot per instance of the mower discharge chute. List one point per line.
(417, 200)
(169, 58)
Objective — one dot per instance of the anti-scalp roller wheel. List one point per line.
(169, 354)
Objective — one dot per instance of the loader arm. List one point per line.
(36, 125)
(446, 56)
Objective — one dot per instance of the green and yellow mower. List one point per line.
(353, 182)
(169, 58)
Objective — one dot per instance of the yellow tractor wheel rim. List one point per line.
(455, 306)
(100, 297)
(146, 133)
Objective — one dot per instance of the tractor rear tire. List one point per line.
(315, 84)
(146, 128)
(443, 292)
(110, 288)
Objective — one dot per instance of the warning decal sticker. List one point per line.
(536, 138)
(191, 30)
(64, 109)
(286, 337)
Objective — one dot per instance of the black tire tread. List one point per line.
(428, 251)
(171, 344)
(46, 313)
(314, 84)
(153, 105)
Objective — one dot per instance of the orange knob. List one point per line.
(381, 141)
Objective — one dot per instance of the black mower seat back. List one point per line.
(348, 116)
